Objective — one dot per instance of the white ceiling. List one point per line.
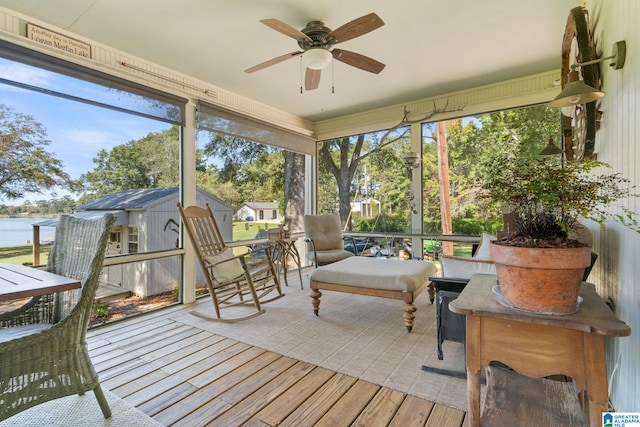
(430, 47)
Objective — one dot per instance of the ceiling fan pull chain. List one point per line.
(333, 89)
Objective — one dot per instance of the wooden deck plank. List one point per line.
(413, 412)
(221, 369)
(126, 351)
(148, 380)
(286, 403)
(247, 407)
(144, 393)
(314, 408)
(137, 341)
(267, 379)
(167, 398)
(350, 404)
(132, 370)
(381, 409)
(181, 374)
(445, 416)
(119, 332)
(173, 411)
(177, 363)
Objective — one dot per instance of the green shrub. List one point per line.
(101, 310)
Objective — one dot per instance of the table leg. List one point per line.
(473, 369)
(296, 258)
(595, 361)
(283, 260)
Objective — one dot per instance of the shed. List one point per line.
(147, 220)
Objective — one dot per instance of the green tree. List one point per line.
(150, 162)
(254, 171)
(502, 134)
(342, 157)
(25, 165)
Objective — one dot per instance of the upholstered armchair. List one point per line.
(325, 242)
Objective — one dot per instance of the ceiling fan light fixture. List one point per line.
(316, 58)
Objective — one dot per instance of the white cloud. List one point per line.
(24, 74)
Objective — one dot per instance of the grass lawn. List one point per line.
(246, 230)
(23, 254)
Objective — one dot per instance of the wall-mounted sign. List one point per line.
(58, 41)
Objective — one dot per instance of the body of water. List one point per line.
(19, 231)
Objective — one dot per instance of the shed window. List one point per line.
(132, 238)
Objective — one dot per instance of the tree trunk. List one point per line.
(294, 190)
(443, 177)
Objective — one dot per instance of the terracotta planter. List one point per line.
(545, 280)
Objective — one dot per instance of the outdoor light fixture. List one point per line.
(550, 150)
(576, 91)
(411, 159)
(316, 58)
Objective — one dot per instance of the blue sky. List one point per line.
(76, 131)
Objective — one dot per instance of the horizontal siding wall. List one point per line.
(617, 273)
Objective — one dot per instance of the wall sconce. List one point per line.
(411, 161)
(551, 149)
(576, 91)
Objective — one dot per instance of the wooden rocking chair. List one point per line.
(230, 281)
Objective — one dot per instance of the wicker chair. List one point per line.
(51, 360)
(230, 281)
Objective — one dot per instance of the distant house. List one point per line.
(259, 211)
(148, 220)
(366, 208)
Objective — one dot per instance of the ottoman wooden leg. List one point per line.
(409, 309)
(315, 300)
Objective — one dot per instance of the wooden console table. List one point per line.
(537, 345)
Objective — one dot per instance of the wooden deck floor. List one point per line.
(184, 376)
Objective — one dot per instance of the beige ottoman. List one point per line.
(379, 277)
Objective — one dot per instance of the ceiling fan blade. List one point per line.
(311, 79)
(272, 62)
(359, 61)
(356, 28)
(285, 29)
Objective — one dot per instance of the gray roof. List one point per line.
(261, 205)
(130, 199)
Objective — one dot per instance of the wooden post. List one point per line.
(443, 179)
(35, 244)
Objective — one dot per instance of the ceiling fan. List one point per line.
(317, 41)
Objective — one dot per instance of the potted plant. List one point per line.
(539, 268)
